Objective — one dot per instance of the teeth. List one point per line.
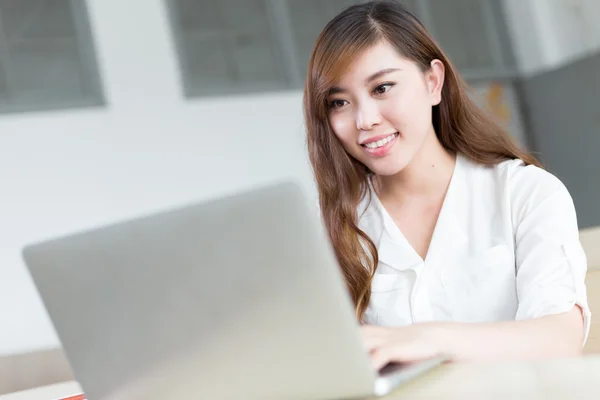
(379, 143)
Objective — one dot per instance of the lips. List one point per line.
(380, 146)
(379, 141)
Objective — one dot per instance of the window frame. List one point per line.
(90, 69)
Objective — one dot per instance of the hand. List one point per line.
(402, 344)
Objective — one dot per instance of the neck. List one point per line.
(426, 177)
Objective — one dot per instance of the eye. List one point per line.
(337, 104)
(383, 88)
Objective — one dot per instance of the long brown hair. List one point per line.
(342, 181)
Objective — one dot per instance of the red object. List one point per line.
(78, 397)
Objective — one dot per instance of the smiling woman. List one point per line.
(450, 237)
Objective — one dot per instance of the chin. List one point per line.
(387, 169)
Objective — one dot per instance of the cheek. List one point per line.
(342, 128)
(409, 114)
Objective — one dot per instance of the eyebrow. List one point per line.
(336, 89)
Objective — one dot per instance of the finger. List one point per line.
(380, 358)
(372, 337)
(371, 342)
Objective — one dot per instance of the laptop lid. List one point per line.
(238, 297)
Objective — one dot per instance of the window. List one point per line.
(46, 56)
(472, 33)
(237, 46)
(307, 19)
(228, 46)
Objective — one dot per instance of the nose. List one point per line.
(367, 116)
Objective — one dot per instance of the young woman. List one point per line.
(453, 241)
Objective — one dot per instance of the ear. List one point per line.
(435, 81)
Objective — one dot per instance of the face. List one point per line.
(381, 107)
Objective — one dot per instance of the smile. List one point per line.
(381, 142)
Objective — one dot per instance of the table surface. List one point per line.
(576, 378)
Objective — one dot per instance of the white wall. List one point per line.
(149, 149)
(549, 33)
(591, 24)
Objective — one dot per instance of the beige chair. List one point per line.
(593, 288)
(590, 239)
(39, 368)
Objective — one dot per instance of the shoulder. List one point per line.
(516, 173)
(529, 179)
(527, 190)
(529, 187)
(520, 182)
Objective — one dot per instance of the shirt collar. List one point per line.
(450, 231)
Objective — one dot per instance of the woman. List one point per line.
(451, 239)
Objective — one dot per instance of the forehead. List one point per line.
(373, 59)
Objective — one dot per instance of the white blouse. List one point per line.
(505, 247)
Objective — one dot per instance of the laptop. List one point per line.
(239, 297)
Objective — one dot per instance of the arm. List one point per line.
(559, 335)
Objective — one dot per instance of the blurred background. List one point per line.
(112, 108)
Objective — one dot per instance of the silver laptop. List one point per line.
(235, 298)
